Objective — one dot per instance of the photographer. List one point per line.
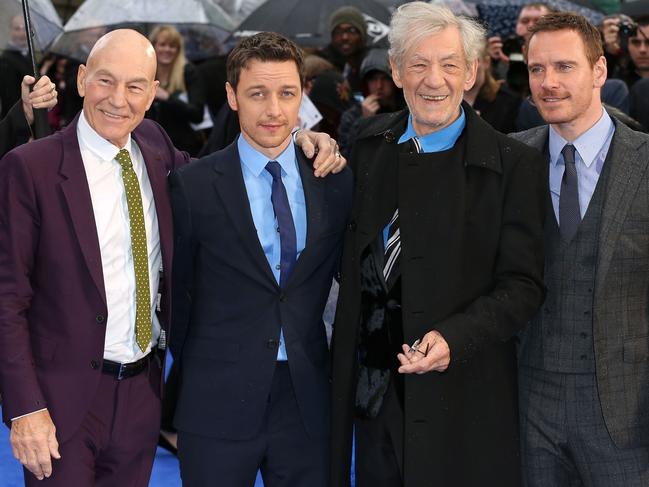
(508, 55)
(626, 43)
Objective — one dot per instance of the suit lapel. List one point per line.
(231, 188)
(378, 197)
(629, 161)
(316, 216)
(77, 196)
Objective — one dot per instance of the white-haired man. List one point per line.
(443, 252)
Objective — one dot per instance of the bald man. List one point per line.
(85, 258)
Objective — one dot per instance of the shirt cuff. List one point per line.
(28, 414)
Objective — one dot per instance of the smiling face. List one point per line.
(267, 98)
(565, 86)
(434, 75)
(117, 84)
(166, 49)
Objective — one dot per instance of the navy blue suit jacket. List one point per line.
(228, 308)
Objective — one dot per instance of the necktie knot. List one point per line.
(124, 159)
(275, 170)
(568, 153)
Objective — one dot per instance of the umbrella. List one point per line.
(500, 15)
(238, 10)
(306, 22)
(458, 7)
(46, 24)
(203, 24)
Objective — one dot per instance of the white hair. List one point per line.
(414, 21)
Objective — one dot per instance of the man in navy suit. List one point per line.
(81, 319)
(258, 239)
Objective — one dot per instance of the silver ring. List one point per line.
(337, 154)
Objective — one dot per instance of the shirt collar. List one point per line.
(588, 144)
(99, 146)
(256, 162)
(437, 141)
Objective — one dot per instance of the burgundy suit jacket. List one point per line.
(53, 309)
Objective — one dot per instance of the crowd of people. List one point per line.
(491, 290)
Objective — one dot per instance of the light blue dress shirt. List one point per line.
(434, 142)
(259, 183)
(591, 149)
(437, 141)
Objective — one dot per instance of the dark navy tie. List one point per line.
(285, 225)
(569, 213)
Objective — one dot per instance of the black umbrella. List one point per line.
(41, 125)
(306, 22)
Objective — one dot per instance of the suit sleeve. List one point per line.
(14, 129)
(19, 236)
(183, 265)
(518, 289)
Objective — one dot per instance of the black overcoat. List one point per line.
(471, 268)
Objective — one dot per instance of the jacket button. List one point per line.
(99, 318)
(272, 344)
(282, 298)
(94, 364)
(352, 226)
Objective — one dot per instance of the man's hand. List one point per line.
(495, 49)
(370, 105)
(432, 353)
(329, 159)
(611, 31)
(43, 95)
(33, 442)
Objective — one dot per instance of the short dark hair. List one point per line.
(265, 47)
(589, 34)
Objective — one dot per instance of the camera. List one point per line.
(628, 28)
(513, 48)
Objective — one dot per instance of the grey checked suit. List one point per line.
(608, 398)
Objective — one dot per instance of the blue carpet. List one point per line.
(165, 468)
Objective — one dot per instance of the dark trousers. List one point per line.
(283, 450)
(564, 437)
(379, 444)
(116, 442)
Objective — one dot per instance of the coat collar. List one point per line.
(478, 133)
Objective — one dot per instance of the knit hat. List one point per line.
(349, 15)
(376, 60)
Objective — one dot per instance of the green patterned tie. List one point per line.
(139, 250)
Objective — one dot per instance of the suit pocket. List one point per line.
(212, 350)
(636, 349)
(43, 348)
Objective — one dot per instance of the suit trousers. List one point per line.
(286, 455)
(379, 443)
(116, 442)
(564, 438)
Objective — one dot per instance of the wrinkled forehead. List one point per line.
(134, 62)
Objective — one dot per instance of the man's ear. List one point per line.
(600, 71)
(232, 96)
(396, 77)
(472, 73)
(81, 80)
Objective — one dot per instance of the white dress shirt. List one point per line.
(112, 221)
